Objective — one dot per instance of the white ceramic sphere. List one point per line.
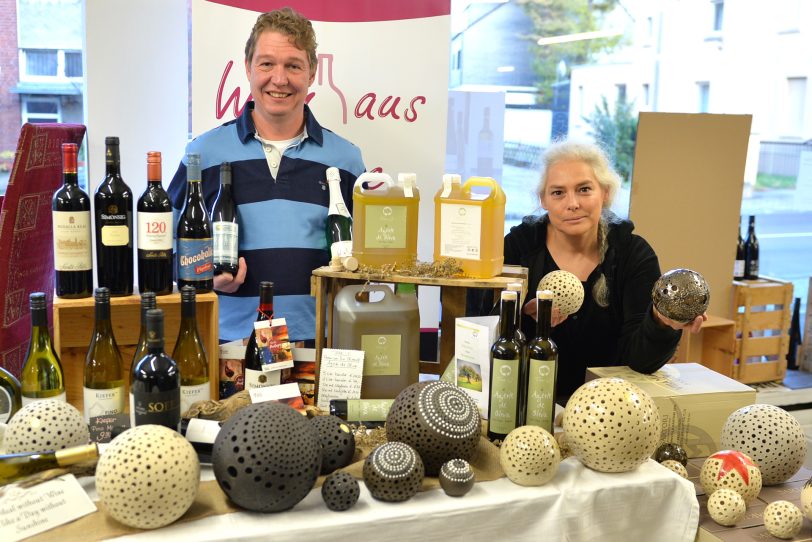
(726, 507)
(45, 425)
(731, 469)
(611, 425)
(783, 519)
(675, 466)
(771, 436)
(529, 456)
(568, 292)
(806, 499)
(148, 477)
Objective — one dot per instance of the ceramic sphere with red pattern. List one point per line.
(732, 470)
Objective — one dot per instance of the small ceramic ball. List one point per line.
(456, 477)
(568, 292)
(726, 507)
(529, 456)
(393, 472)
(671, 450)
(337, 442)
(783, 519)
(148, 477)
(681, 295)
(675, 466)
(45, 425)
(340, 491)
(732, 470)
(806, 499)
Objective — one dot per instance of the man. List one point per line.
(279, 155)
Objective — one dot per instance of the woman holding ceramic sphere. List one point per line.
(616, 324)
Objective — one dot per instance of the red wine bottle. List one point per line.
(73, 261)
(751, 251)
(114, 219)
(254, 376)
(155, 232)
(195, 267)
(738, 267)
(224, 226)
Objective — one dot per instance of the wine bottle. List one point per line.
(147, 302)
(795, 338)
(73, 262)
(505, 407)
(254, 376)
(339, 221)
(10, 396)
(751, 251)
(542, 369)
(42, 376)
(155, 381)
(104, 377)
(16, 466)
(517, 287)
(738, 267)
(201, 434)
(367, 412)
(195, 248)
(190, 355)
(224, 226)
(155, 237)
(114, 235)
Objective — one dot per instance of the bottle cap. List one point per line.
(102, 294)
(225, 173)
(155, 328)
(333, 174)
(37, 301)
(514, 286)
(407, 179)
(193, 159)
(147, 300)
(77, 454)
(350, 263)
(508, 295)
(265, 284)
(544, 294)
(187, 293)
(452, 178)
(111, 140)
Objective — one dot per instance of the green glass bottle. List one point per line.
(190, 355)
(505, 404)
(147, 303)
(339, 221)
(542, 367)
(104, 393)
(10, 395)
(42, 376)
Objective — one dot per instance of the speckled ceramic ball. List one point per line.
(771, 436)
(45, 425)
(611, 425)
(568, 292)
(393, 472)
(732, 470)
(681, 295)
(340, 491)
(726, 507)
(529, 456)
(806, 499)
(456, 477)
(438, 420)
(671, 450)
(783, 519)
(337, 442)
(148, 477)
(675, 466)
(267, 457)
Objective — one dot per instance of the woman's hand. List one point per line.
(693, 326)
(228, 283)
(530, 310)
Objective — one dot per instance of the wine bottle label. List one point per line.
(6, 405)
(381, 355)
(385, 226)
(72, 240)
(192, 394)
(373, 410)
(504, 396)
(199, 430)
(540, 400)
(195, 259)
(155, 232)
(226, 241)
(341, 249)
(754, 268)
(260, 379)
(59, 397)
(738, 268)
(106, 402)
(158, 408)
(115, 236)
(460, 231)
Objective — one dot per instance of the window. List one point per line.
(621, 92)
(646, 93)
(41, 110)
(41, 63)
(73, 63)
(718, 15)
(796, 106)
(47, 64)
(703, 89)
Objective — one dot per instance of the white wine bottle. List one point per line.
(104, 377)
(542, 369)
(147, 303)
(155, 381)
(190, 355)
(339, 221)
(42, 376)
(10, 396)
(16, 466)
(505, 409)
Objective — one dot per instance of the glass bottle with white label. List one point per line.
(155, 232)
(103, 390)
(505, 407)
(42, 376)
(339, 221)
(224, 225)
(190, 355)
(542, 368)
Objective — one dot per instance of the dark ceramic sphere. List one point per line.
(671, 450)
(337, 442)
(393, 472)
(456, 477)
(267, 457)
(438, 420)
(340, 491)
(681, 295)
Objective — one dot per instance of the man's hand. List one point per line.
(228, 283)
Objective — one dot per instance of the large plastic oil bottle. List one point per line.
(385, 213)
(386, 327)
(469, 225)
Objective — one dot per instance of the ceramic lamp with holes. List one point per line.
(45, 425)
(568, 291)
(783, 519)
(732, 470)
(337, 442)
(681, 295)
(726, 507)
(393, 472)
(529, 456)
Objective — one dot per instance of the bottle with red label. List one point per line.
(194, 234)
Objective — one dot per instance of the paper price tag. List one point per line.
(340, 375)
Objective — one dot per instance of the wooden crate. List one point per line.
(73, 326)
(762, 310)
(714, 346)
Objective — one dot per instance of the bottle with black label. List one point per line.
(255, 377)
(42, 376)
(751, 251)
(339, 221)
(224, 226)
(505, 404)
(155, 232)
(10, 396)
(542, 367)
(155, 387)
(738, 267)
(103, 389)
(147, 302)
(190, 355)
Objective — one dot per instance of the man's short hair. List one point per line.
(290, 23)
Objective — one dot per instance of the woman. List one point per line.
(617, 324)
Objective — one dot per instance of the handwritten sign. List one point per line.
(340, 375)
(26, 512)
(102, 427)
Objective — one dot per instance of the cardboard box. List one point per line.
(694, 401)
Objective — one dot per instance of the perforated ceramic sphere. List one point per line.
(681, 295)
(726, 507)
(529, 456)
(45, 425)
(438, 420)
(393, 472)
(568, 292)
(340, 491)
(671, 450)
(675, 466)
(806, 499)
(611, 425)
(267, 457)
(771, 436)
(783, 519)
(456, 477)
(732, 470)
(337, 442)
(148, 476)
